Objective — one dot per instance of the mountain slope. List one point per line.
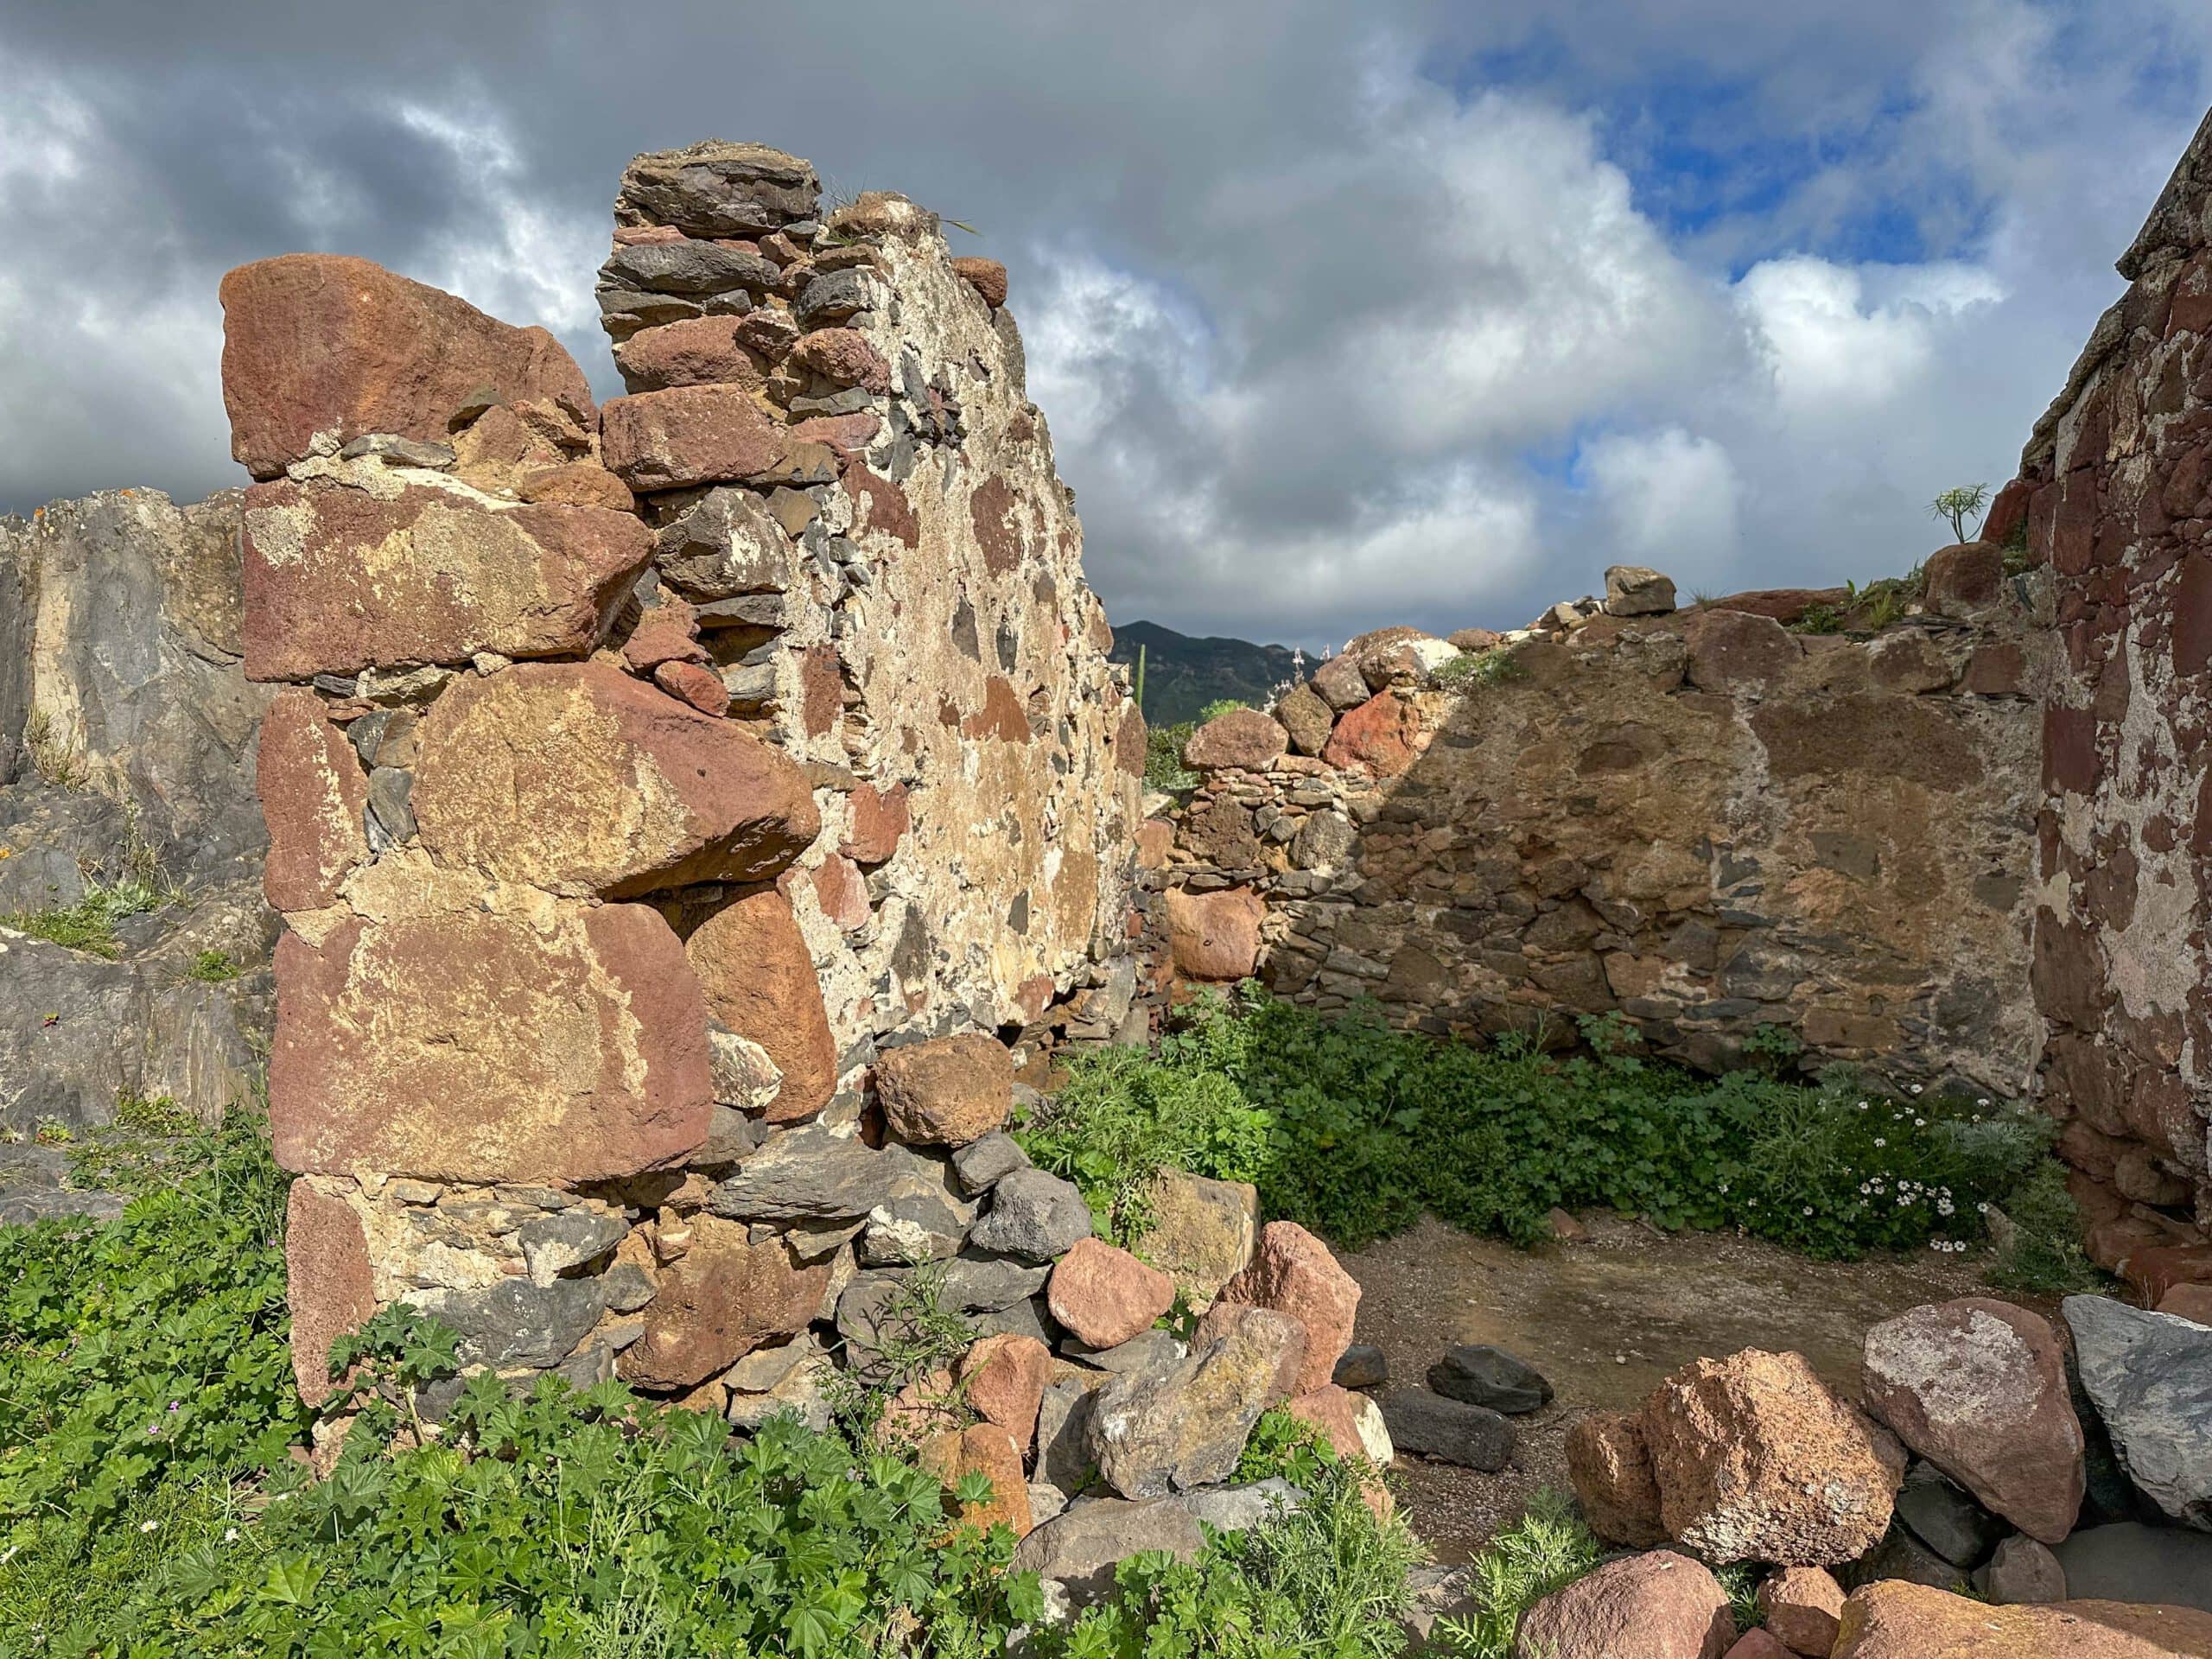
(1183, 674)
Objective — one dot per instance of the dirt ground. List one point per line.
(1605, 1320)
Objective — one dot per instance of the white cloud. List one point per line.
(1669, 499)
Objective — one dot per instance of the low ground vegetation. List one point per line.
(1355, 1130)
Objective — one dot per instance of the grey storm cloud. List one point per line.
(1340, 313)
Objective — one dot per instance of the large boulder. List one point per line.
(1896, 1620)
(1610, 1467)
(1382, 736)
(321, 348)
(1078, 1550)
(1638, 590)
(946, 1092)
(1104, 1296)
(759, 979)
(1978, 1387)
(458, 1030)
(716, 189)
(1156, 1431)
(687, 435)
(717, 1302)
(579, 779)
(1755, 1459)
(1449, 1431)
(1292, 1272)
(1202, 1232)
(340, 578)
(1034, 1216)
(2149, 1375)
(1002, 1379)
(1661, 1605)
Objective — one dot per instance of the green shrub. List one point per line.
(1163, 757)
(1472, 669)
(1543, 1552)
(2039, 1247)
(151, 1348)
(1323, 1580)
(1355, 1130)
(89, 925)
(213, 966)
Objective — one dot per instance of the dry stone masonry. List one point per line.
(1702, 820)
(2114, 497)
(677, 809)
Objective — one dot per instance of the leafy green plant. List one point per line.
(1818, 619)
(213, 968)
(1954, 507)
(2038, 1234)
(89, 925)
(1539, 1554)
(1163, 759)
(1472, 670)
(1355, 1130)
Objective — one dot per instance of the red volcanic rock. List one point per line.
(1757, 1461)
(2192, 1302)
(577, 484)
(1215, 936)
(337, 580)
(696, 352)
(986, 276)
(667, 634)
(947, 1091)
(693, 434)
(1893, 1619)
(843, 357)
(1294, 1273)
(1003, 1379)
(465, 1033)
(1734, 650)
(1105, 1296)
(313, 794)
(987, 1449)
(1978, 1388)
(700, 686)
(840, 891)
(1965, 577)
(1610, 1467)
(1243, 737)
(1379, 736)
(577, 778)
(759, 980)
(881, 818)
(1802, 1606)
(323, 346)
(717, 1302)
(1656, 1606)
(328, 1281)
(1784, 605)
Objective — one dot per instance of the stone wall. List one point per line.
(127, 754)
(656, 784)
(1705, 821)
(2115, 496)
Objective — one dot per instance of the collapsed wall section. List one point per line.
(645, 774)
(2115, 496)
(1705, 821)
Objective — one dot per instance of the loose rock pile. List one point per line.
(1993, 1455)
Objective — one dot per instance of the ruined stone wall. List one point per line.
(2115, 497)
(1704, 821)
(653, 783)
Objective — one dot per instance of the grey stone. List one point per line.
(769, 611)
(1325, 841)
(731, 1134)
(751, 687)
(812, 1240)
(802, 1392)
(1156, 1431)
(744, 1078)
(1901, 1555)
(624, 311)
(397, 451)
(517, 1323)
(391, 818)
(1361, 1366)
(1148, 1350)
(1239, 1509)
(593, 1364)
(2129, 1561)
(2022, 1573)
(1029, 1319)
(32, 1188)
(1481, 1374)
(764, 1367)
(833, 297)
(1638, 590)
(717, 188)
(806, 1174)
(1943, 1517)
(986, 1284)
(918, 1221)
(1063, 1435)
(691, 268)
(552, 1244)
(981, 1165)
(1047, 1501)
(1033, 1215)
(1079, 1549)
(1449, 1431)
(725, 544)
(2149, 1375)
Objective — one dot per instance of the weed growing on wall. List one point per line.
(1355, 1130)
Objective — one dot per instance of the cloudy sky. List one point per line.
(1342, 314)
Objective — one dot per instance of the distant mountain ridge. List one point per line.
(1183, 675)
